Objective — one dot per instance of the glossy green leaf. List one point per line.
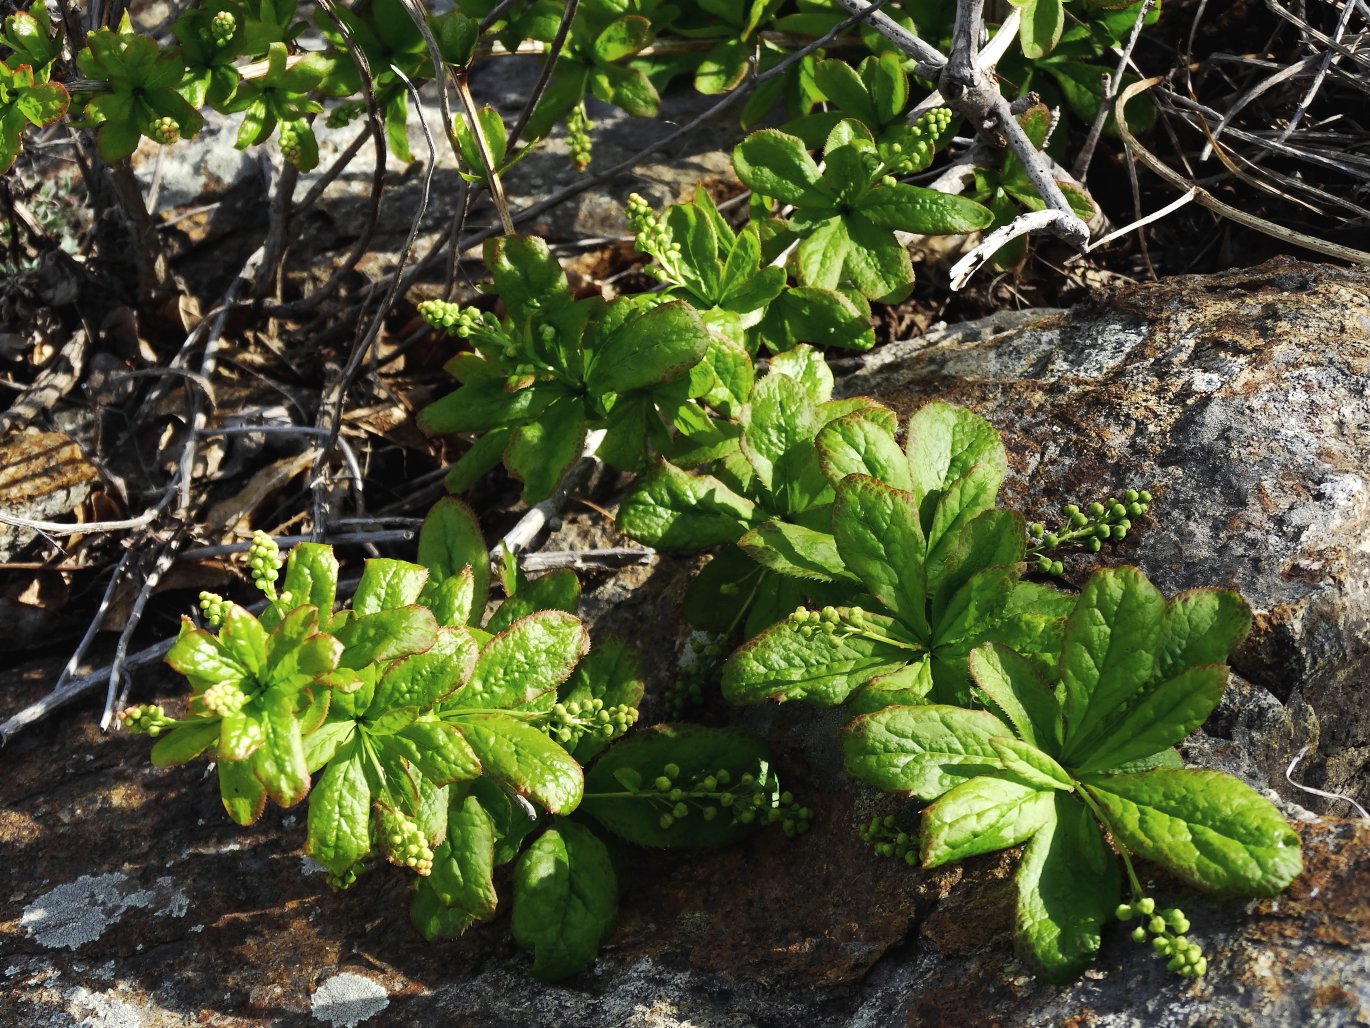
(1068, 885)
(1201, 626)
(524, 759)
(1110, 649)
(783, 663)
(387, 584)
(540, 452)
(879, 537)
(672, 510)
(527, 276)
(922, 750)
(528, 659)
(990, 812)
(311, 576)
(653, 347)
(855, 445)
(437, 749)
(556, 590)
(944, 442)
(794, 550)
(386, 636)
(773, 163)
(1031, 764)
(243, 796)
(339, 822)
(1206, 827)
(450, 539)
(279, 762)
(565, 900)
(1010, 683)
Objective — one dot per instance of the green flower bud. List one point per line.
(1124, 912)
(1139, 934)
(164, 130)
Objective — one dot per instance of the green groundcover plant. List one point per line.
(424, 733)
(1079, 766)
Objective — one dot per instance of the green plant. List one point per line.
(1073, 760)
(557, 368)
(938, 562)
(424, 739)
(764, 501)
(846, 213)
(142, 97)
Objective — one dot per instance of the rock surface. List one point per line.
(1240, 400)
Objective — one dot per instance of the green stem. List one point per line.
(1083, 792)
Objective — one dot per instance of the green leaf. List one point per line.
(808, 367)
(527, 660)
(612, 673)
(1040, 31)
(1010, 683)
(486, 403)
(1109, 651)
(776, 164)
(905, 687)
(185, 742)
(944, 442)
(1201, 626)
(386, 636)
(339, 822)
(565, 900)
(1206, 827)
(1167, 713)
(822, 255)
(855, 445)
(842, 86)
(785, 664)
(243, 796)
(541, 451)
(697, 752)
(556, 590)
(244, 640)
(923, 750)
(794, 550)
(672, 510)
(962, 502)
(881, 542)
(450, 539)
(1031, 764)
(779, 418)
(203, 658)
(311, 576)
(464, 865)
(387, 584)
(527, 276)
(450, 600)
(430, 917)
(297, 654)
(622, 38)
(987, 813)
(279, 762)
(524, 759)
(811, 315)
(992, 537)
(924, 212)
(1068, 886)
(877, 263)
(651, 348)
(628, 88)
(437, 749)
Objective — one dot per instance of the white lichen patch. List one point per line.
(348, 999)
(78, 912)
(102, 1010)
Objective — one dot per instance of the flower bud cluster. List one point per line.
(575, 719)
(653, 237)
(914, 149)
(264, 562)
(827, 621)
(224, 698)
(345, 113)
(343, 882)
(222, 26)
(164, 130)
(578, 127)
(698, 666)
(888, 840)
(1099, 522)
(455, 319)
(748, 799)
(213, 607)
(405, 843)
(1165, 930)
(150, 720)
(292, 148)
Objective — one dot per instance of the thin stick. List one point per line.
(1319, 792)
(525, 532)
(1111, 87)
(1168, 209)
